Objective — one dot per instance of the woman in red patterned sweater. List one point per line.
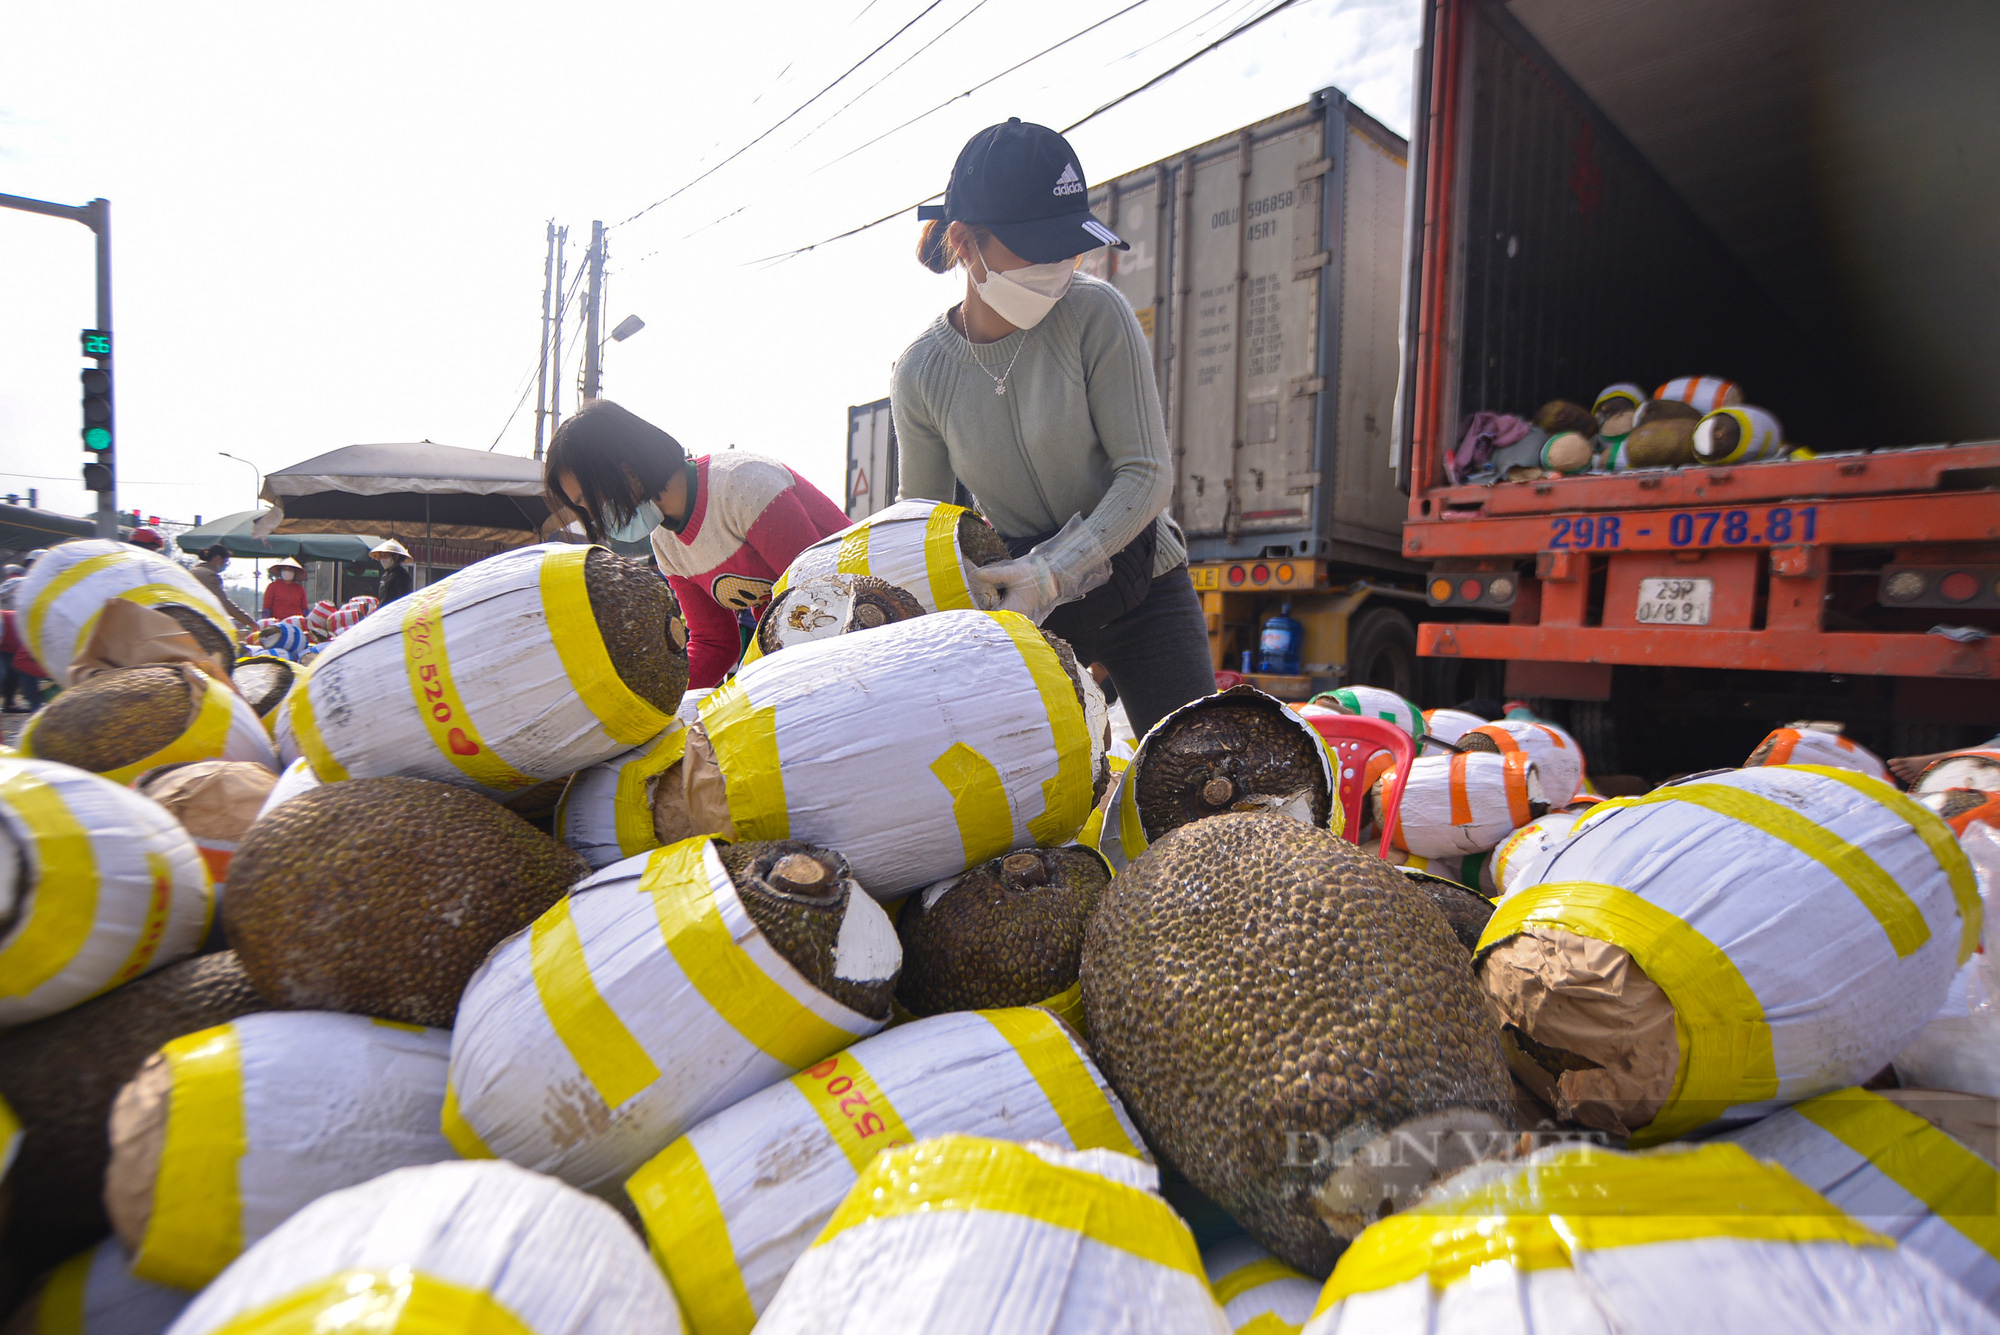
(723, 526)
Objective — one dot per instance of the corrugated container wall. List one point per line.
(1266, 270)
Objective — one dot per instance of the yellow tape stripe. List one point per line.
(62, 906)
(205, 737)
(152, 595)
(1268, 1323)
(1898, 915)
(61, 584)
(1957, 1185)
(452, 1123)
(852, 555)
(10, 1137)
(1726, 1056)
(978, 803)
(573, 627)
(1067, 1004)
(439, 704)
(754, 1004)
(745, 739)
(690, 1241)
(1534, 1218)
(965, 1173)
(1937, 837)
(59, 1310)
(305, 730)
(379, 1302)
(853, 1108)
(632, 813)
(613, 1061)
(1066, 796)
(196, 1227)
(1065, 1081)
(941, 567)
(159, 904)
(1256, 1275)
(1131, 830)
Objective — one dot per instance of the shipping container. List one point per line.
(871, 459)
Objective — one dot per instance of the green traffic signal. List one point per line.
(97, 438)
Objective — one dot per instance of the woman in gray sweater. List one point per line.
(1036, 393)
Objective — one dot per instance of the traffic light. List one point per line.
(97, 416)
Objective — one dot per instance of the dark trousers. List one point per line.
(1157, 653)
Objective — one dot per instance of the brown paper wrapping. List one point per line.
(128, 635)
(1973, 1120)
(690, 797)
(138, 1132)
(1592, 1000)
(213, 799)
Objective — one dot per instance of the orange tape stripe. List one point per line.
(1461, 801)
(1517, 788)
(1781, 754)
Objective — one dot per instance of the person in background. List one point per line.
(397, 578)
(149, 538)
(285, 595)
(13, 679)
(723, 526)
(11, 578)
(1036, 392)
(208, 573)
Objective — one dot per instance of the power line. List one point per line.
(787, 117)
(892, 73)
(561, 314)
(1227, 37)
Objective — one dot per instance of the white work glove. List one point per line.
(1061, 570)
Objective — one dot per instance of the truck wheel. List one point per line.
(1382, 651)
(1595, 728)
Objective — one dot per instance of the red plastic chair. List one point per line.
(1354, 741)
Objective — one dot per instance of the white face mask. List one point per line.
(1022, 297)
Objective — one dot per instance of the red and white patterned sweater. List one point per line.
(752, 516)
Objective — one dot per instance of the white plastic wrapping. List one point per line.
(606, 811)
(732, 1205)
(1558, 759)
(1518, 860)
(1814, 746)
(66, 589)
(1448, 725)
(1459, 804)
(114, 888)
(294, 780)
(1803, 921)
(1375, 702)
(641, 1004)
(96, 1293)
(1881, 1160)
(1975, 767)
(265, 1115)
(1959, 1047)
(911, 544)
(496, 678)
(1259, 1294)
(1758, 436)
(983, 1237)
(917, 750)
(473, 1247)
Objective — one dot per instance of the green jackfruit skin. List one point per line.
(60, 1076)
(115, 718)
(1008, 933)
(1242, 740)
(382, 896)
(1247, 977)
(803, 927)
(640, 620)
(980, 541)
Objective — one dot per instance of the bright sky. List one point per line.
(328, 224)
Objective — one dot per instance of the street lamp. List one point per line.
(627, 327)
(256, 475)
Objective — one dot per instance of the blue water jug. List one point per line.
(1278, 647)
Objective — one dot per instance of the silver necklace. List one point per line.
(999, 381)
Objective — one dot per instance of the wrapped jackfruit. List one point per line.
(1448, 725)
(129, 722)
(1974, 767)
(822, 606)
(1558, 758)
(96, 1293)
(264, 680)
(473, 1247)
(926, 548)
(1258, 1293)
(1008, 1239)
(1739, 435)
(227, 1132)
(65, 592)
(727, 1228)
(1375, 702)
(215, 801)
(525, 667)
(1236, 750)
(98, 885)
(1915, 1165)
(607, 812)
(1729, 944)
(1804, 744)
(917, 750)
(1517, 861)
(1591, 1241)
(1463, 803)
(663, 989)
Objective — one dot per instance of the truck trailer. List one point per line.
(1801, 199)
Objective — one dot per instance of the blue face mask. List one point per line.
(645, 518)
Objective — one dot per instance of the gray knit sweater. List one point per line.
(1078, 431)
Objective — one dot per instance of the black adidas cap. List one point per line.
(1022, 182)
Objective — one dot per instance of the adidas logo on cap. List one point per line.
(1069, 183)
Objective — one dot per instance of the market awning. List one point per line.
(416, 492)
(233, 533)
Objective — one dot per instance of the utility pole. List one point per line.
(96, 215)
(542, 384)
(555, 341)
(593, 313)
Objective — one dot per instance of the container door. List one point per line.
(871, 459)
(1367, 507)
(1139, 207)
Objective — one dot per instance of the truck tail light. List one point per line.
(1471, 589)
